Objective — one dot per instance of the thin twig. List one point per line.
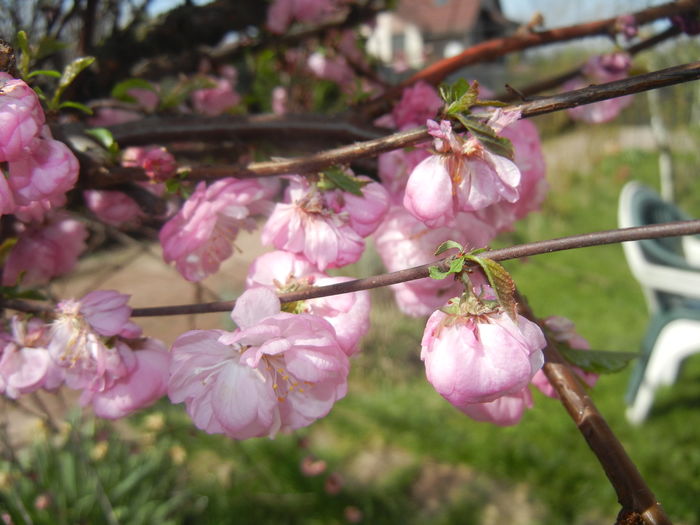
(584, 240)
(524, 250)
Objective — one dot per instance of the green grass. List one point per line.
(404, 454)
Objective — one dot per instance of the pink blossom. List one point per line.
(320, 227)
(403, 241)
(49, 171)
(347, 313)
(158, 163)
(418, 103)
(38, 211)
(78, 345)
(280, 99)
(282, 12)
(147, 99)
(112, 116)
(333, 68)
(601, 69)
(463, 176)
(45, 251)
(395, 166)
(283, 370)
(145, 383)
(25, 364)
(215, 100)
(201, 235)
(627, 25)
(108, 313)
(21, 118)
(504, 411)
(479, 358)
(533, 186)
(364, 212)
(112, 207)
(562, 330)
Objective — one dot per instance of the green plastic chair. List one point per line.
(670, 279)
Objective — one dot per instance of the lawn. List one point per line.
(394, 451)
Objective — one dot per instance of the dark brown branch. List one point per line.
(636, 498)
(558, 80)
(524, 250)
(181, 129)
(499, 47)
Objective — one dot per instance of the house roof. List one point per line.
(440, 16)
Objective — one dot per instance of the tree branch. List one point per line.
(639, 505)
(585, 240)
(556, 81)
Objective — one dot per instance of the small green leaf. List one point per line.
(45, 72)
(501, 282)
(23, 41)
(121, 90)
(69, 74)
(343, 181)
(75, 105)
(102, 135)
(437, 273)
(598, 361)
(6, 246)
(456, 265)
(23, 45)
(448, 245)
(487, 136)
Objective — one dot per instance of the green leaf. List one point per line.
(102, 135)
(45, 72)
(23, 45)
(598, 361)
(456, 265)
(75, 105)
(501, 282)
(106, 140)
(460, 96)
(487, 136)
(69, 74)
(448, 245)
(436, 273)
(343, 181)
(6, 246)
(121, 90)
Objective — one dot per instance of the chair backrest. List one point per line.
(659, 265)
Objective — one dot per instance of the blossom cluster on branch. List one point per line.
(285, 365)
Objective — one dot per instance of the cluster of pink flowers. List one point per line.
(40, 170)
(200, 236)
(278, 371)
(91, 346)
(329, 226)
(461, 192)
